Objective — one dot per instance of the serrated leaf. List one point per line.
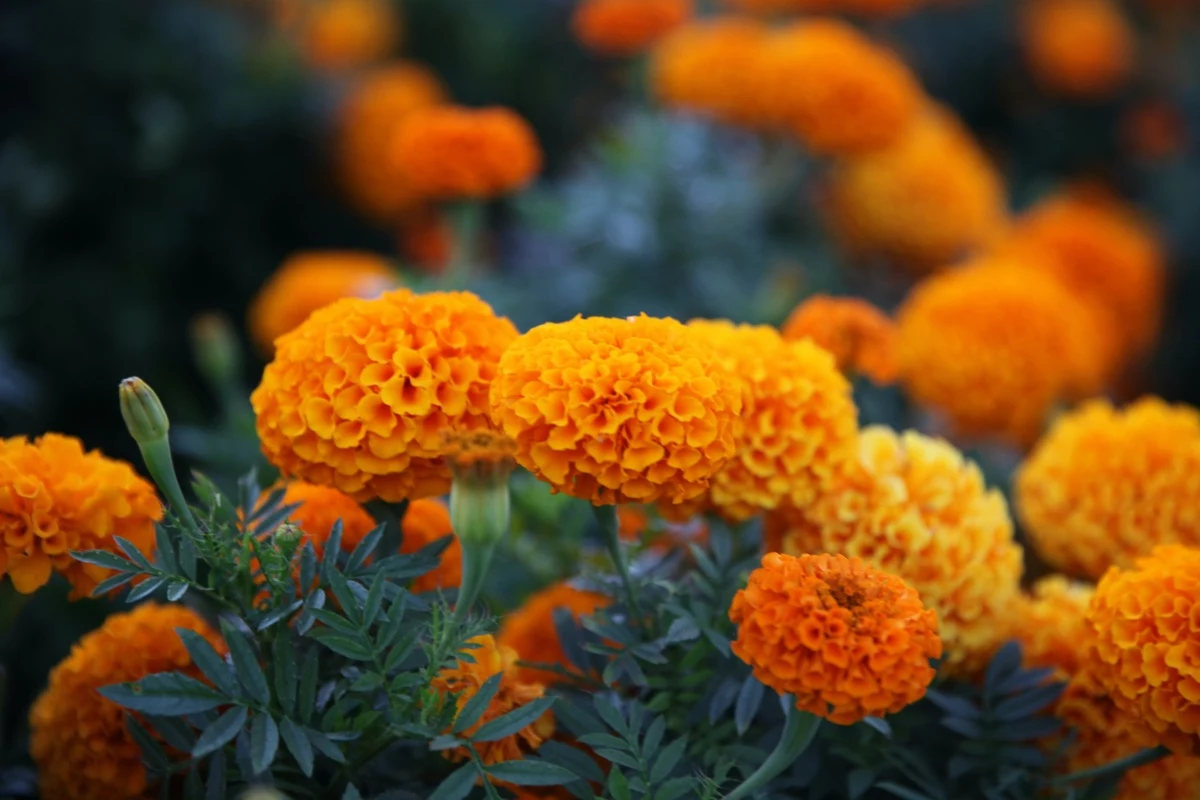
(530, 772)
(297, 744)
(683, 629)
(333, 546)
(1027, 729)
(1024, 679)
(174, 731)
(965, 727)
(187, 559)
(308, 566)
(264, 742)
(351, 793)
(354, 649)
(577, 719)
(165, 694)
(220, 732)
(209, 662)
(667, 760)
(245, 664)
(307, 692)
(515, 720)
(458, 784)
(879, 724)
(473, 709)
(603, 740)
(1026, 704)
(336, 621)
(750, 698)
(570, 637)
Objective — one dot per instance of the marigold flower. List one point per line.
(1050, 624)
(368, 120)
(860, 336)
(462, 682)
(425, 522)
(1082, 48)
(618, 411)
(627, 27)
(1106, 486)
(342, 34)
(861, 7)
(426, 240)
(847, 640)
(455, 153)
(1146, 623)
(800, 420)
(78, 740)
(322, 506)
(912, 506)
(363, 394)
(55, 498)
(994, 345)
(530, 629)
(308, 281)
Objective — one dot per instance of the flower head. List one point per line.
(914, 507)
(617, 411)
(79, 741)
(859, 335)
(454, 153)
(308, 281)
(361, 396)
(425, 522)
(847, 640)
(1050, 624)
(1081, 48)
(531, 632)
(55, 498)
(342, 34)
(1106, 486)
(627, 27)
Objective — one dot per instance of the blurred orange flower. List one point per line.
(426, 240)
(343, 34)
(1082, 48)
(860, 336)
(1051, 626)
(627, 27)
(530, 629)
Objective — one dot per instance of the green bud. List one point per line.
(143, 412)
(287, 538)
(480, 505)
(215, 347)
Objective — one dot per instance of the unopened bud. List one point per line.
(143, 412)
(287, 538)
(215, 347)
(480, 501)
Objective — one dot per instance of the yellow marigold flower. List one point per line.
(994, 345)
(530, 629)
(926, 199)
(627, 27)
(459, 684)
(56, 498)
(860, 336)
(1106, 486)
(800, 420)
(618, 410)
(1083, 48)
(363, 394)
(454, 153)
(847, 640)
(308, 281)
(368, 120)
(914, 507)
(1050, 624)
(342, 34)
(78, 740)
(425, 522)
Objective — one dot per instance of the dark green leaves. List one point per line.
(515, 720)
(264, 742)
(220, 732)
(165, 694)
(473, 709)
(530, 772)
(245, 664)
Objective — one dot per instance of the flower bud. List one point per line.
(480, 505)
(215, 348)
(143, 412)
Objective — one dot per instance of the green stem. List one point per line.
(157, 455)
(611, 529)
(1138, 759)
(477, 557)
(466, 220)
(798, 733)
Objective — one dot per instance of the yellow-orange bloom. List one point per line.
(79, 741)
(627, 27)
(459, 684)
(799, 418)
(425, 522)
(1050, 624)
(860, 336)
(1146, 627)
(343, 34)
(530, 629)
(455, 153)
(1106, 486)
(308, 281)
(995, 345)
(368, 120)
(847, 640)
(55, 498)
(363, 394)
(914, 507)
(618, 410)
(1082, 48)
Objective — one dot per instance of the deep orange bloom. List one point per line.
(618, 410)
(426, 240)
(78, 740)
(860, 336)
(1049, 623)
(363, 395)
(847, 640)
(308, 281)
(55, 498)
(455, 153)
(530, 629)
(425, 522)
(1106, 486)
(343, 34)
(1082, 48)
(914, 507)
(627, 27)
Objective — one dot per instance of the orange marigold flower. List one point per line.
(926, 199)
(322, 506)
(1050, 624)
(459, 684)
(1106, 486)
(56, 498)
(530, 629)
(1146, 627)
(860, 336)
(847, 640)
(627, 27)
(618, 410)
(363, 394)
(308, 281)
(800, 420)
(455, 153)
(1082, 48)
(372, 113)
(425, 522)
(78, 740)
(994, 345)
(342, 34)
(426, 240)
(914, 507)
(862, 7)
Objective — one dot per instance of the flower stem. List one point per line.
(1138, 759)
(798, 733)
(476, 560)
(611, 530)
(466, 221)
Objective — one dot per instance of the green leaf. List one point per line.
(473, 709)
(675, 788)
(336, 621)
(530, 772)
(308, 566)
(333, 546)
(667, 760)
(351, 793)
(324, 745)
(603, 740)
(362, 551)
(374, 602)
(245, 665)
(622, 757)
(618, 786)
(611, 716)
(103, 558)
(573, 759)
(220, 732)
(722, 699)
(210, 663)
(284, 653)
(264, 742)
(176, 591)
(145, 589)
(749, 700)
(155, 757)
(1026, 704)
(515, 720)
(278, 615)
(135, 555)
(355, 649)
(307, 693)
(901, 791)
(165, 694)
(297, 744)
(115, 582)
(458, 784)
(174, 731)
(214, 787)
(1004, 665)
(187, 559)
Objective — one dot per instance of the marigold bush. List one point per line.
(425, 522)
(342, 34)
(1081, 48)
(860, 336)
(627, 27)
(530, 629)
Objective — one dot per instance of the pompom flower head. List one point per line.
(847, 640)
(342, 34)
(1106, 486)
(1080, 48)
(530, 629)
(56, 498)
(914, 507)
(859, 335)
(78, 739)
(627, 27)
(425, 522)
(618, 410)
(454, 153)
(363, 395)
